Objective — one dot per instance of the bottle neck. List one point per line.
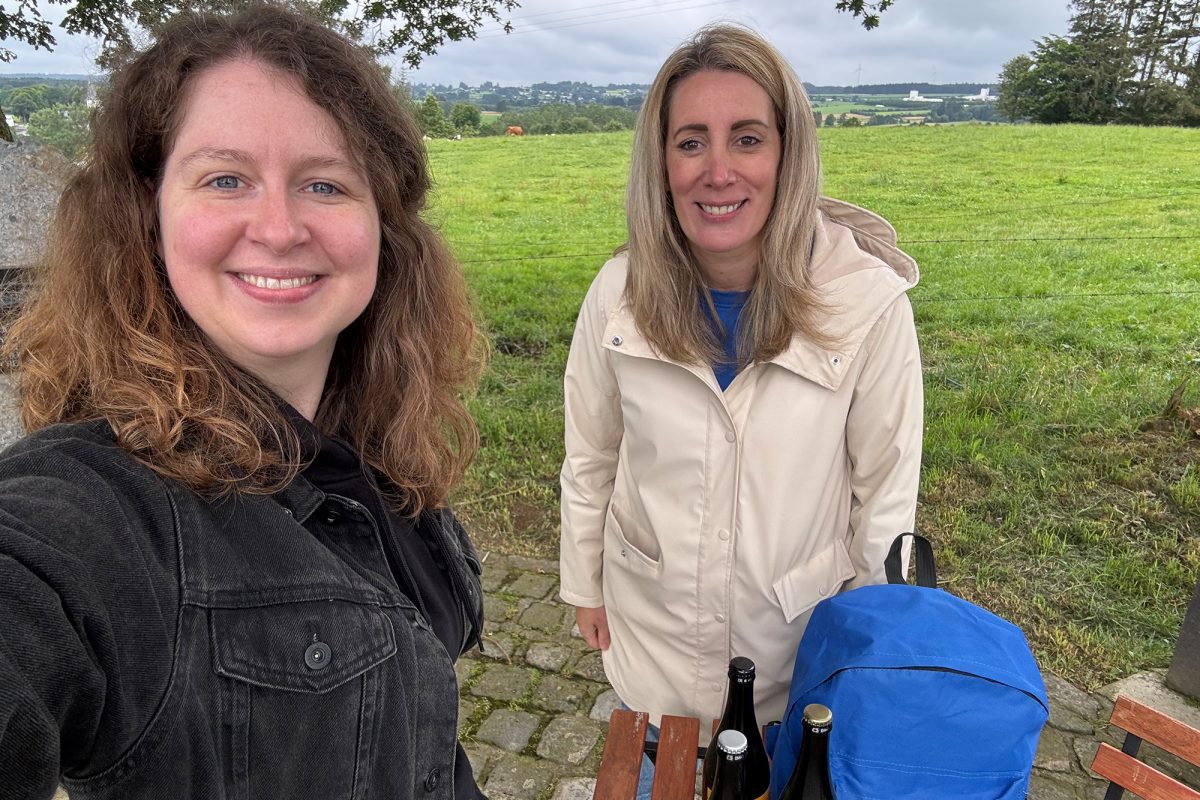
(739, 706)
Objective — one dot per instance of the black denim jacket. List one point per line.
(157, 645)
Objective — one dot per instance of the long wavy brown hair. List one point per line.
(665, 289)
(104, 337)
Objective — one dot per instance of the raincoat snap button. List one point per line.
(317, 655)
(729, 437)
(617, 341)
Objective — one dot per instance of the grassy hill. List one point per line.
(1058, 313)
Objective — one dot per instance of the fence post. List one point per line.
(1184, 674)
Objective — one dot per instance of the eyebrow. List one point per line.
(702, 128)
(241, 156)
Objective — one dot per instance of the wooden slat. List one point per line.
(622, 759)
(675, 769)
(1138, 777)
(1177, 738)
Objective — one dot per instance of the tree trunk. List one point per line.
(6, 133)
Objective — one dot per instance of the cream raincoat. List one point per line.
(709, 523)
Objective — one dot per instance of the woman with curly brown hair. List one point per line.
(226, 564)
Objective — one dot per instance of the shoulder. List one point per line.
(74, 486)
(852, 242)
(608, 287)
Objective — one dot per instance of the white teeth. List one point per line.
(718, 211)
(276, 283)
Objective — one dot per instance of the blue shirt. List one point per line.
(729, 307)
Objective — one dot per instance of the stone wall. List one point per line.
(31, 178)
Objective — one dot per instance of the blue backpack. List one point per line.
(932, 697)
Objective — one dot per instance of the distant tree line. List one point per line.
(492, 97)
(440, 119)
(1125, 61)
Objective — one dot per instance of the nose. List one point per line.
(720, 166)
(277, 222)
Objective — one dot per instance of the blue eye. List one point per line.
(226, 182)
(323, 187)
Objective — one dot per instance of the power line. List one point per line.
(1079, 296)
(907, 242)
(903, 242)
(1106, 201)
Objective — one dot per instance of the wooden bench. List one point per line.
(1122, 768)
(675, 762)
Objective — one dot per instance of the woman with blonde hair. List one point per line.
(743, 392)
(227, 567)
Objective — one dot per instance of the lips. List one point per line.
(720, 211)
(264, 282)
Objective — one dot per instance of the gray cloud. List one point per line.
(624, 41)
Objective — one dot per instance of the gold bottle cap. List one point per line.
(817, 715)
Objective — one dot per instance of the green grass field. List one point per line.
(1058, 310)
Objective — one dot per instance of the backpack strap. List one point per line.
(926, 569)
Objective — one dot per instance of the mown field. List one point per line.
(1059, 316)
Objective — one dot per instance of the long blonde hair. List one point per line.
(105, 338)
(665, 289)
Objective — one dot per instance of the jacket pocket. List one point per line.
(300, 647)
(300, 688)
(623, 551)
(812, 580)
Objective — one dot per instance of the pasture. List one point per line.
(1059, 317)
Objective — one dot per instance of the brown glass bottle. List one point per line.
(810, 779)
(739, 716)
(731, 762)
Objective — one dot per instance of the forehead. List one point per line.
(718, 94)
(248, 104)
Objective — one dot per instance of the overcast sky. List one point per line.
(624, 41)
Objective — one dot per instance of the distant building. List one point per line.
(914, 96)
(984, 96)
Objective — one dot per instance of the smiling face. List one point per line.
(722, 155)
(268, 229)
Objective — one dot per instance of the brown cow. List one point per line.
(515, 130)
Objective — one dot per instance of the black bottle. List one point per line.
(731, 762)
(810, 778)
(739, 716)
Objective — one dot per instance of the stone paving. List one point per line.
(534, 703)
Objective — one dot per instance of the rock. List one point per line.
(532, 584)
(557, 693)
(519, 778)
(32, 176)
(502, 682)
(547, 656)
(508, 729)
(605, 704)
(569, 740)
(575, 789)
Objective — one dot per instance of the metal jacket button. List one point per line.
(331, 516)
(433, 780)
(317, 655)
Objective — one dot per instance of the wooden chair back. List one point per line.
(1125, 772)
